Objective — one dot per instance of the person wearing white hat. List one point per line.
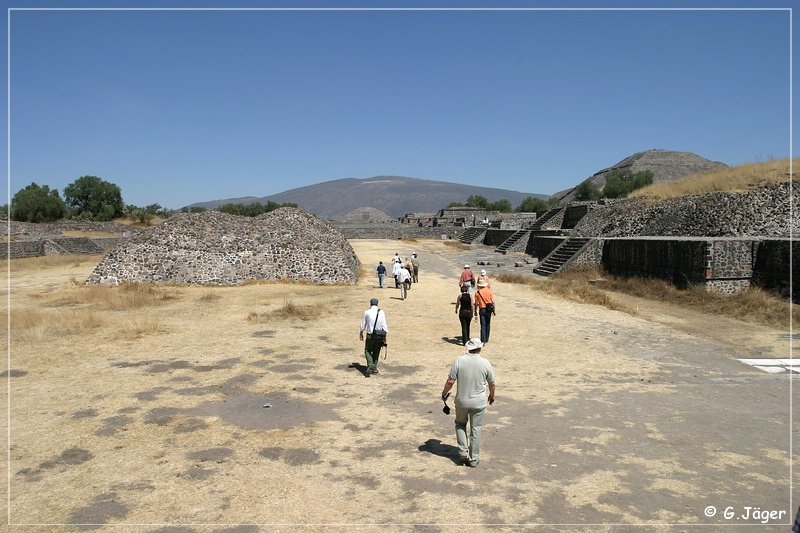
(475, 376)
(484, 309)
(485, 278)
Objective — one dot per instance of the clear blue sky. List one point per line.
(178, 107)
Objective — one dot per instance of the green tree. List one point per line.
(92, 198)
(195, 209)
(532, 204)
(620, 183)
(455, 204)
(477, 201)
(254, 209)
(502, 205)
(37, 203)
(587, 191)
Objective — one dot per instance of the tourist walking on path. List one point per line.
(415, 265)
(475, 376)
(484, 309)
(464, 312)
(374, 324)
(396, 266)
(485, 278)
(381, 274)
(405, 282)
(467, 278)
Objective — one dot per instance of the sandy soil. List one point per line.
(191, 415)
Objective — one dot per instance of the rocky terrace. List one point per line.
(213, 248)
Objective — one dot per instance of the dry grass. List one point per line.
(571, 287)
(754, 305)
(289, 311)
(36, 326)
(210, 297)
(123, 297)
(137, 327)
(740, 178)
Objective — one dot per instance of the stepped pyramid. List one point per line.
(666, 165)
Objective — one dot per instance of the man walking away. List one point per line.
(381, 274)
(467, 278)
(396, 272)
(475, 376)
(374, 324)
(415, 264)
(405, 282)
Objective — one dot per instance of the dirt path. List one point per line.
(157, 417)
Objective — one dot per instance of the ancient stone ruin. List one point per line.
(214, 248)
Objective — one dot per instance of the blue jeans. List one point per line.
(469, 447)
(381, 277)
(486, 324)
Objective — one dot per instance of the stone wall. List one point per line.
(517, 220)
(20, 249)
(761, 212)
(574, 213)
(496, 237)
(775, 259)
(541, 246)
(679, 261)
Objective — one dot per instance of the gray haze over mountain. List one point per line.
(394, 195)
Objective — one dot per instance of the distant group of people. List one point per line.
(481, 307)
(405, 272)
(473, 373)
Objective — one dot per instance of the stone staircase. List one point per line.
(472, 234)
(559, 257)
(511, 241)
(547, 215)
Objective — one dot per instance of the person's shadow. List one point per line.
(436, 447)
(453, 340)
(361, 368)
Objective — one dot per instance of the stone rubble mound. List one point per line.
(214, 248)
(760, 212)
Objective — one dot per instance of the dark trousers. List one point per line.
(466, 318)
(372, 349)
(486, 324)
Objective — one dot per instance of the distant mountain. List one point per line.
(666, 165)
(394, 195)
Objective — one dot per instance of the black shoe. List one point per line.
(375, 370)
(464, 460)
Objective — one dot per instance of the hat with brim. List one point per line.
(481, 283)
(474, 344)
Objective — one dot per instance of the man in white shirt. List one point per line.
(404, 277)
(396, 266)
(374, 324)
